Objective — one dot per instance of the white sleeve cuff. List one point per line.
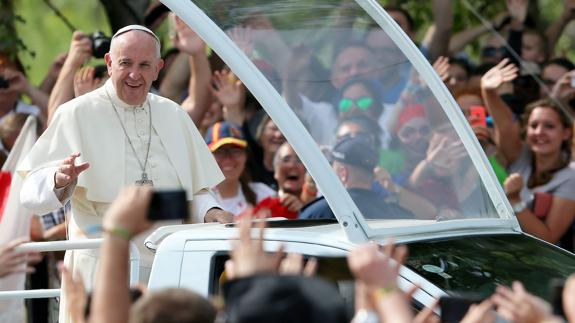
(203, 201)
(39, 195)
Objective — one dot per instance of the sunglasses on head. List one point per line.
(363, 103)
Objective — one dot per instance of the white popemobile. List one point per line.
(472, 240)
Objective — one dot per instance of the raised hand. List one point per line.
(219, 215)
(68, 171)
(293, 264)
(569, 9)
(569, 298)
(499, 74)
(248, 256)
(562, 89)
(513, 185)
(75, 293)
(56, 65)
(187, 40)
(80, 50)
(18, 81)
(12, 261)
(129, 211)
(85, 81)
(444, 155)
(517, 305)
(292, 202)
(243, 37)
(229, 90)
(518, 11)
(441, 67)
(480, 313)
(376, 269)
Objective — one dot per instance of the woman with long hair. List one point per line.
(541, 187)
(236, 192)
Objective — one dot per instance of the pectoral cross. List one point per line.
(145, 181)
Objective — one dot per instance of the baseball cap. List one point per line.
(357, 151)
(224, 133)
(408, 113)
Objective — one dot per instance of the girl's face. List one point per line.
(357, 100)
(232, 161)
(545, 132)
(414, 135)
(271, 138)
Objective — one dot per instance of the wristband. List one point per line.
(382, 292)
(519, 207)
(119, 232)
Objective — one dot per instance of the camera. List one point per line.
(4, 83)
(100, 44)
(168, 205)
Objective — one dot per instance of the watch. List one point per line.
(519, 207)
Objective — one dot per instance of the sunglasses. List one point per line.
(363, 103)
(407, 132)
(491, 51)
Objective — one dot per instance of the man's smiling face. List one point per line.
(133, 64)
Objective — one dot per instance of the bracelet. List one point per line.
(519, 207)
(119, 232)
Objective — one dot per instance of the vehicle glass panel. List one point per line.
(344, 76)
(481, 263)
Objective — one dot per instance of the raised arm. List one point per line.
(459, 40)
(52, 76)
(443, 22)
(199, 96)
(63, 91)
(231, 93)
(20, 83)
(556, 28)
(558, 220)
(125, 219)
(507, 133)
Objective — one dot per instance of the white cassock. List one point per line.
(178, 158)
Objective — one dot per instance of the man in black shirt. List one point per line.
(353, 160)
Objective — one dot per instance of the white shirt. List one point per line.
(238, 203)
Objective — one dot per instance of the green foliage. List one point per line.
(37, 29)
(46, 35)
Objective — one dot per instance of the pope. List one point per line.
(114, 136)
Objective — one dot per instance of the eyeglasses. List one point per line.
(363, 103)
(407, 132)
(491, 51)
(233, 152)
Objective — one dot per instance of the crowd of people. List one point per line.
(182, 119)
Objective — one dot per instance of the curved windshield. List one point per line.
(374, 116)
(481, 263)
